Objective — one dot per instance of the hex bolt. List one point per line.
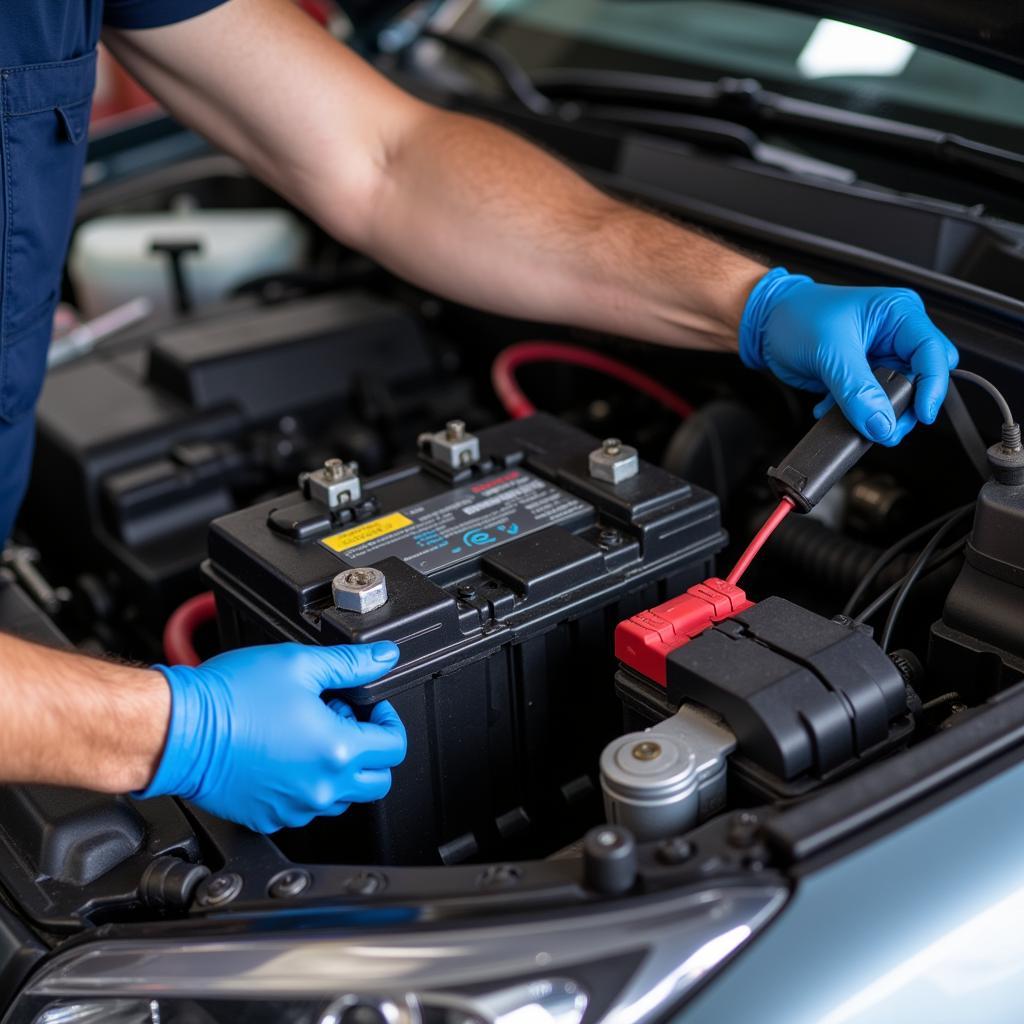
(360, 589)
(219, 889)
(455, 430)
(611, 446)
(648, 750)
(609, 538)
(289, 883)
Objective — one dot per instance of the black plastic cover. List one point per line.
(805, 695)
(981, 634)
(66, 853)
(140, 445)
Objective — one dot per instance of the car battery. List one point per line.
(500, 564)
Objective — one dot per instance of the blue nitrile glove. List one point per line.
(251, 740)
(824, 337)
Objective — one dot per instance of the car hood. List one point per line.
(989, 32)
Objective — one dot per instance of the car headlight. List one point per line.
(625, 963)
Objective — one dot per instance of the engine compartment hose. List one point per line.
(182, 626)
(820, 555)
(525, 353)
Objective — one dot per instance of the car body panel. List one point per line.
(921, 924)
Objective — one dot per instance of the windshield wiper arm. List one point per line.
(692, 127)
(745, 98)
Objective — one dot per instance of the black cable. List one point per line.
(892, 551)
(987, 385)
(513, 77)
(936, 701)
(911, 578)
(966, 430)
(940, 559)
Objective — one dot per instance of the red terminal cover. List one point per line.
(644, 641)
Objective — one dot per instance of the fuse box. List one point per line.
(500, 564)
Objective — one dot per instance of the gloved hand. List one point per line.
(827, 338)
(251, 740)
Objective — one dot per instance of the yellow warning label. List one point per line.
(367, 532)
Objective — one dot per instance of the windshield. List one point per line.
(799, 54)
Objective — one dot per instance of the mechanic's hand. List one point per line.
(827, 338)
(251, 739)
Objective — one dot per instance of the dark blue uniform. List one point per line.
(47, 74)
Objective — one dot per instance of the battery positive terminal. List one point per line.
(644, 641)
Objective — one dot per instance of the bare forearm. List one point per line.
(475, 213)
(453, 203)
(71, 720)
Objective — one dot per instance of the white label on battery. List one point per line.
(459, 524)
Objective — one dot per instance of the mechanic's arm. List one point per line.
(245, 736)
(471, 211)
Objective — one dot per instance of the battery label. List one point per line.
(456, 525)
(373, 530)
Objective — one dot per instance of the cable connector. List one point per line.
(644, 641)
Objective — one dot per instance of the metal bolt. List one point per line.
(334, 469)
(466, 591)
(360, 578)
(675, 851)
(646, 751)
(609, 538)
(499, 876)
(360, 589)
(611, 446)
(366, 883)
(455, 430)
(289, 883)
(743, 829)
(219, 889)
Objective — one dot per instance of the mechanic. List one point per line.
(454, 204)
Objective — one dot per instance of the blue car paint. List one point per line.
(924, 925)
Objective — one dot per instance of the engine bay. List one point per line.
(540, 519)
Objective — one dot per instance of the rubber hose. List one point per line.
(823, 557)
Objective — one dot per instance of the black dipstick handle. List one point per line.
(831, 448)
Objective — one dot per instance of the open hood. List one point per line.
(989, 32)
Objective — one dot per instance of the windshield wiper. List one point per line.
(691, 127)
(738, 99)
(746, 99)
